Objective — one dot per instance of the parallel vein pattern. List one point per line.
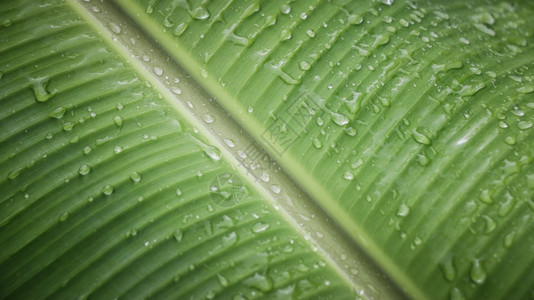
(410, 122)
(106, 190)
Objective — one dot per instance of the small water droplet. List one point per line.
(229, 239)
(208, 118)
(157, 70)
(200, 13)
(135, 177)
(107, 189)
(114, 27)
(524, 125)
(490, 224)
(58, 113)
(285, 9)
(14, 173)
(229, 142)
(526, 89)
(176, 90)
(260, 227)
(456, 294)
(485, 196)
(403, 210)
(509, 239)
(87, 150)
(178, 192)
(180, 29)
(260, 282)
(448, 269)
(63, 217)
(117, 149)
(304, 65)
(477, 273)
(339, 119)
(348, 176)
(223, 281)
(421, 138)
(84, 170)
(275, 188)
(118, 121)
(510, 140)
(317, 143)
(178, 235)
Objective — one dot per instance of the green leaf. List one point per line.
(400, 128)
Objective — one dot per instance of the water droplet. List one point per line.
(526, 89)
(39, 86)
(87, 150)
(355, 19)
(317, 143)
(348, 176)
(176, 90)
(485, 196)
(208, 118)
(117, 149)
(229, 142)
(180, 29)
(58, 113)
(210, 295)
(339, 119)
(178, 192)
(158, 71)
(63, 217)
(135, 177)
(14, 173)
(285, 9)
(84, 170)
(275, 188)
(456, 294)
(509, 239)
(229, 239)
(510, 140)
(524, 125)
(223, 281)
(421, 138)
(114, 27)
(178, 235)
(118, 121)
(107, 189)
(203, 73)
(448, 269)
(350, 131)
(485, 29)
(260, 227)
(310, 33)
(304, 65)
(259, 282)
(477, 273)
(490, 224)
(403, 210)
(200, 13)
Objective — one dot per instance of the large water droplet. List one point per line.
(114, 27)
(477, 273)
(456, 294)
(39, 86)
(223, 281)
